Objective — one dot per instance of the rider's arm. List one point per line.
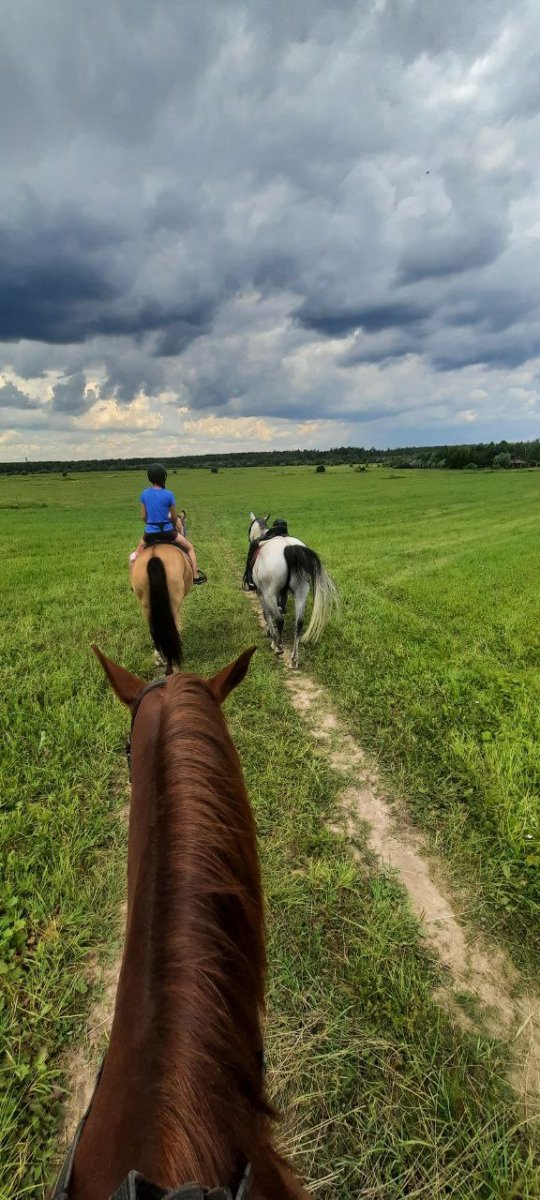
(172, 511)
(143, 513)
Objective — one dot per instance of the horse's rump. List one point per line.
(302, 562)
(163, 627)
(161, 578)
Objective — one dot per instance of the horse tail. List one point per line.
(305, 563)
(163, 627)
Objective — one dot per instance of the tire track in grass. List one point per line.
(476, 968)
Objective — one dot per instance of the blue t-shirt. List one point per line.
(158, 502)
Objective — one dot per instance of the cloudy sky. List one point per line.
(267, 223)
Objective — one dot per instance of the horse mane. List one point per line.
(209, 964)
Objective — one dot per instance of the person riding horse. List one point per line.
(279, 529)
(161, 521)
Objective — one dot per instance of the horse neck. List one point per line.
(181, 1096)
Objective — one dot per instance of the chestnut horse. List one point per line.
(181, 1093)
(161, 577)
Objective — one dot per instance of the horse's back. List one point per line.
(270, 567)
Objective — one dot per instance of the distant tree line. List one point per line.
(484, 454)
(461, 458)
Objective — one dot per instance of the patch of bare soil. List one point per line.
(82, 1065)
(473, 964)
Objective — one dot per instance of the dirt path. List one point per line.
(473, 964)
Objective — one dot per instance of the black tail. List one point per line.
(305, 562)
(163, 628)
(302, 561)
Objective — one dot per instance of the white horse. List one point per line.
(283, 565)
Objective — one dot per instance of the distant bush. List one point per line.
(471, 466)
(214, 470)
(320, 469)
(502, 460)
(361, 467)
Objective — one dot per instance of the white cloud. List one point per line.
(245, 429)
(107, 416)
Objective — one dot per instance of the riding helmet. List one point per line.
(280, 525)
(157, 474)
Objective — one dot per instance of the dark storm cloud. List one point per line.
(66, 279)
(200, 200)
(130, 373)
(70, 396)
(451, 254)
(510, 353)
(372, 319)
(12, 397)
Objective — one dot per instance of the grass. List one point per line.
(383, 1098)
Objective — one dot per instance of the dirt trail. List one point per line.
(474, 965)
(82, 1064)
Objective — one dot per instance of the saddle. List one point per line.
(159, 539)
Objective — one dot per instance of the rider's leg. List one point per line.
(189, 549)
(134, 556)
(248, 573)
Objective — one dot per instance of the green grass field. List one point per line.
(433, 664)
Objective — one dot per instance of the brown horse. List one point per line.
(160, 578)
(181, 1093)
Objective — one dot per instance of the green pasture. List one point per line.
(433, 664)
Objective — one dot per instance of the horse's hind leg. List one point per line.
(301, 590)
(274, 619)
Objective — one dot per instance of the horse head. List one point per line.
(258, 526)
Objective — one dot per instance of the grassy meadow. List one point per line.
(433, 664)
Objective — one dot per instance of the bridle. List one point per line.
(157, 683)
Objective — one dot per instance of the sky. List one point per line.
(267, 224)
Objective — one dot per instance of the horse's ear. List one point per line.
(126, 685)
(252, 516)
(227, 679)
